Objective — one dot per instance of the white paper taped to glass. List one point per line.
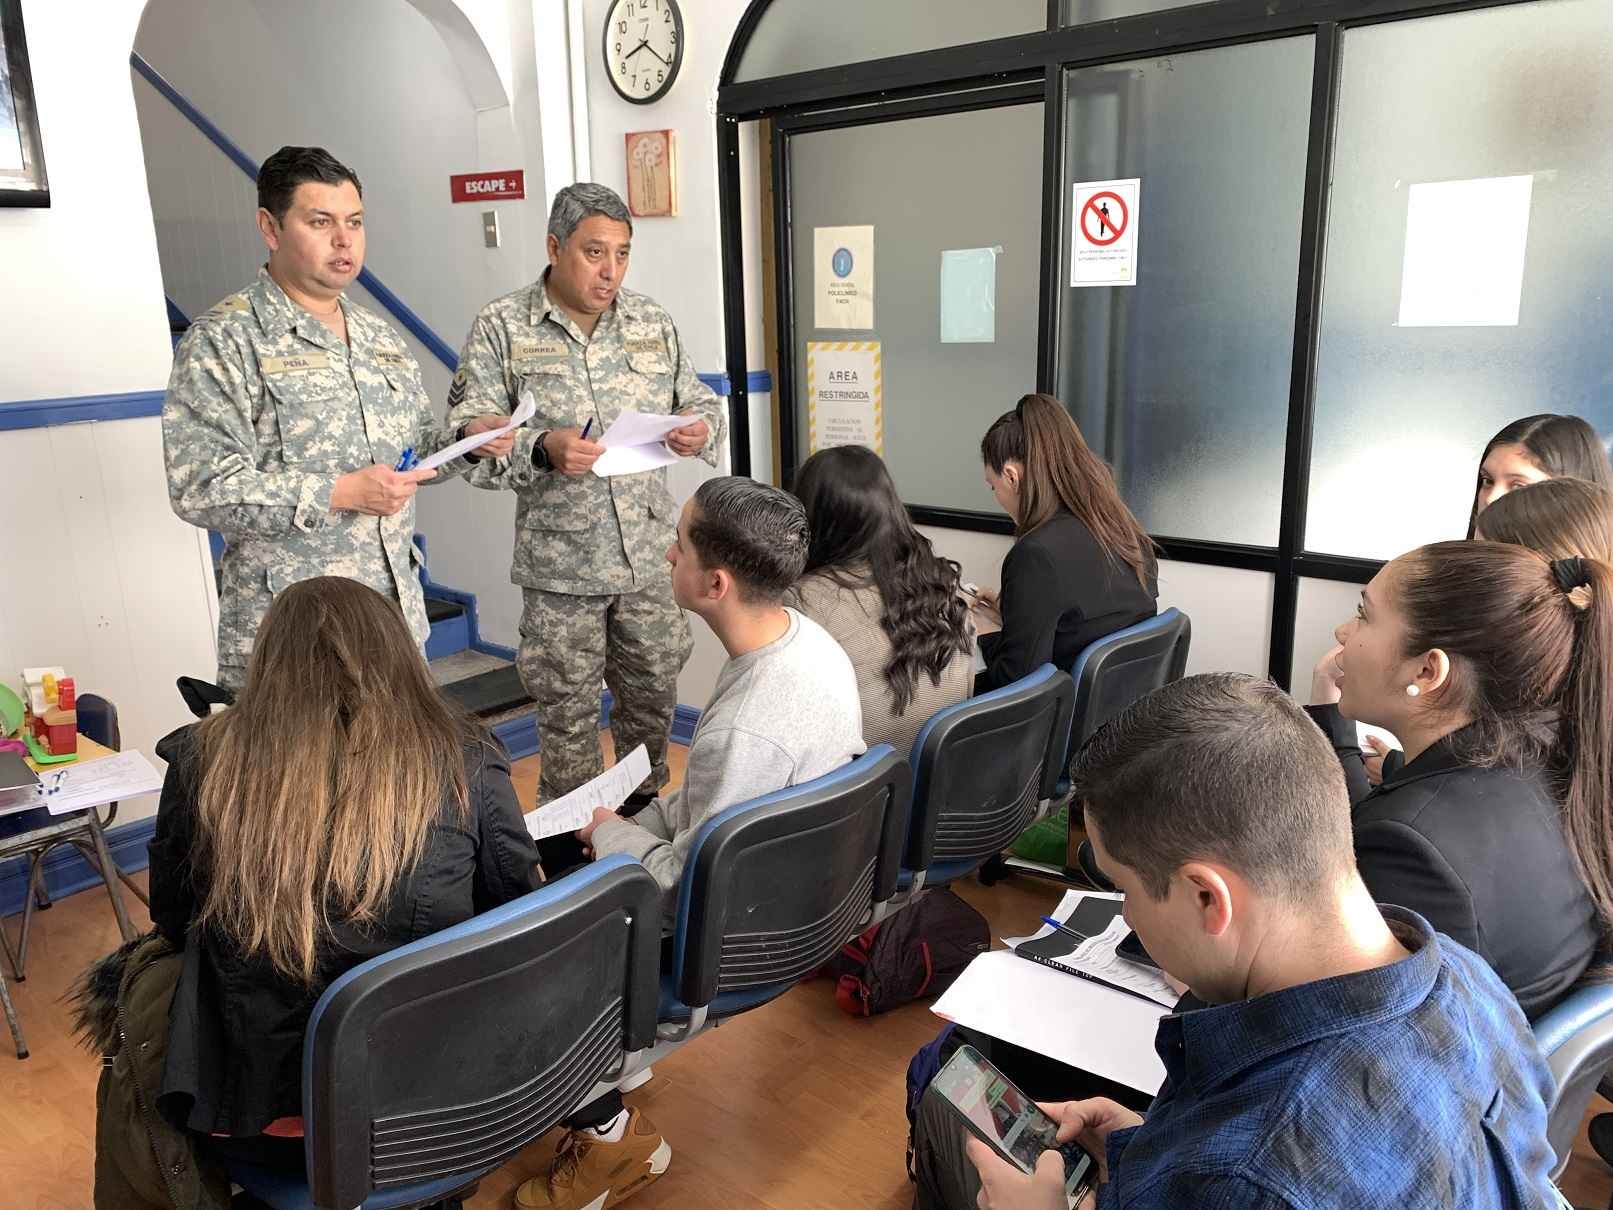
(634, 442)
(574, 811)
(465, 445)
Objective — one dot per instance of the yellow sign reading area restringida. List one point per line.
(845, 393)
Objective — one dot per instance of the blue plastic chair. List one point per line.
(427, 1067)
(982, 771)
(1576, 1036)
(773, 887)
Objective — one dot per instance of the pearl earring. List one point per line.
(1412, 691)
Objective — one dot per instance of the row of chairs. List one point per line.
(428, 1066)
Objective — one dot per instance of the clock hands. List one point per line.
(652, 50)
(635, 51)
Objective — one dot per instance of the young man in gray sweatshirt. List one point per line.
(785, 709)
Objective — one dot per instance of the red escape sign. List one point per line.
(489, 186)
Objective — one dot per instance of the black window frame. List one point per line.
(982, 74)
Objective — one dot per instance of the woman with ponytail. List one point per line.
(1494, 665)
(1081, 567)
(875, 583)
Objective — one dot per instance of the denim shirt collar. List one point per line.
(1208, 1047)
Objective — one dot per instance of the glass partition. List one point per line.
(802, 35)
(1468, 258)
(1182, 379)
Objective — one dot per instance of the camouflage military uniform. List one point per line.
(590, 552)
(265, 409)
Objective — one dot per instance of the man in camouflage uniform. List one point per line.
(288, 409)
(590, 552)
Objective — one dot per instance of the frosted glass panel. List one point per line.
(1079, 12)
(902, 179)
(1182, 380)
(801, 35)
(1323, 604)
(1431, 338)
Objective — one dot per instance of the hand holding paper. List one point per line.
(465, 445)
(575, 811)
(634, 442)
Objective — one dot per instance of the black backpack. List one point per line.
(917, 952)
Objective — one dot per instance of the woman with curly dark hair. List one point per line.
(875, 584)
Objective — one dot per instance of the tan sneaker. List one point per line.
(590, 1174)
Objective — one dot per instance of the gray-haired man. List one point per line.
(589, 551)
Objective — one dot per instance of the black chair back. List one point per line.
(773, 887)
(981, 769)
(98, 720)
(1116, 670)
(443, 1057)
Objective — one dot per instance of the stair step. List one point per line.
(496, 691)
(439, 610)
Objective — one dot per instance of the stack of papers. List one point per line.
(635, 443)
(78, 787)
(465, 445)
(574, 811)
(1097, 917)
(1083, 1023)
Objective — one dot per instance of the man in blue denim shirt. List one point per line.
(1350, 1056)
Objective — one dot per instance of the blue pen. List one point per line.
(407, 461)
(587, 427)
(1064, 928)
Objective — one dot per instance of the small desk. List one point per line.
(83, 830)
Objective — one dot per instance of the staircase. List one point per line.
(480, 676)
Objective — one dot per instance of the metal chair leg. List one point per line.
(107, 865)
(11, 1019)
(36, 882)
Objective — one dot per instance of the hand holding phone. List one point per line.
(1008, 1122)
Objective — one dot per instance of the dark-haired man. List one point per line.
(785, 710)
(1349, 1056)
(288, 408)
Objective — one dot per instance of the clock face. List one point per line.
(643, 47)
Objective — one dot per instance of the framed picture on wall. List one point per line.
(22, 154)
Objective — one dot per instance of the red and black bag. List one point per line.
(917, 952)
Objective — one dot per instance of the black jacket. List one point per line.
(1481, 854)
(236, 1027)
(1060, 591)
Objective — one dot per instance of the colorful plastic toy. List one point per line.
(50, 725)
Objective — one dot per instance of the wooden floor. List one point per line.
(793, 1105)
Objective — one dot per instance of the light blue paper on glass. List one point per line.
(969, 295)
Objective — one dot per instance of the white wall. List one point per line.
(1230, 609)
(103, 579)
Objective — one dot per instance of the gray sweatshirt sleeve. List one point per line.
(726, 767)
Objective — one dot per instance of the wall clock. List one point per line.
(643, 43)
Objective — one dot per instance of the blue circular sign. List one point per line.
(841, 264)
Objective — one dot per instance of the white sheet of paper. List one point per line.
(64, 789)
(634, 443)
(969, 295)
(610, 789)
(1072, 1020)
(1465, 245)
(465, 445)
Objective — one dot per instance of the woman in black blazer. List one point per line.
(1494, 666)
(1082, 566)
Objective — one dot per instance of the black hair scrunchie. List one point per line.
(1570, 573)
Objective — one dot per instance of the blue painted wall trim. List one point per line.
(67, 872)
(440, 349)
(75, 409)
(756, 382)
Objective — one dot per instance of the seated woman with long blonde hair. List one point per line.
(341, 808)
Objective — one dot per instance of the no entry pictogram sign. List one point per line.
(1104, 218)
(1103, 233)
